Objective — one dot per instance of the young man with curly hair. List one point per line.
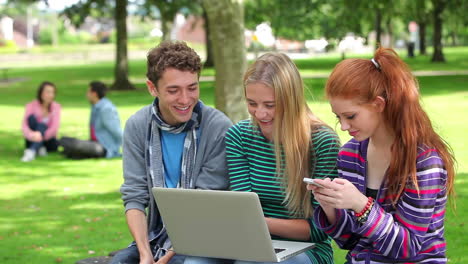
(175, 142)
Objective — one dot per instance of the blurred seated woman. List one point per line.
(41, 123)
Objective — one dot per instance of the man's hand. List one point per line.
(166, 258)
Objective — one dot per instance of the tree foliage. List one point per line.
(167, 10)
(77, 13)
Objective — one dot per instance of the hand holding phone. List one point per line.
(311, 181)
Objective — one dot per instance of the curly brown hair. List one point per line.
(171, 54)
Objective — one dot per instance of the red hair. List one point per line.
(392, 80)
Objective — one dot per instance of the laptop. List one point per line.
(221, 224)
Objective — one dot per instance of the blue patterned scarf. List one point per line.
(154, 163)
(154, 160)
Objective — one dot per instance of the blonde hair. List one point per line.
(294, 123)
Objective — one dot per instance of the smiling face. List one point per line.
(178, 94)
(362, 121)
(261, 106)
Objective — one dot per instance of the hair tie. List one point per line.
(376, 64)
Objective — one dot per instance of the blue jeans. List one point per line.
(131, 255)
(51, 144)
(299, 259)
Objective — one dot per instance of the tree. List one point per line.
(293, 19)
(456, 21)
(226, 22)
(121, 81)
(209, 62)
(167, 12)
(168, 9)
(78, 12)
(439, 6)
(420, 10)
(383, 10)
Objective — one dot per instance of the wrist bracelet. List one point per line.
(363, 218)
(366, 208)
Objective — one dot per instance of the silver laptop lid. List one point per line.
(220, 224)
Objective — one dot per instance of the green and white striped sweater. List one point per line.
(252, 168)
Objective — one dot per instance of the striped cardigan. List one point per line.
(252, 168)
(410, 232)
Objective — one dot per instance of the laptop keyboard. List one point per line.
(278, 250)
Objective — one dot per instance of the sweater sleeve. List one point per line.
(238, 165)
(401, 234)
(27, 132)
(326, 146)
(342, 230)
(54, 122)
(213, 172)
(135, 193)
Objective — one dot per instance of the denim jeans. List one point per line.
(131, 255)
(299, 259)
(51, 144)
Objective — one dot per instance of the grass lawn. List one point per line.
(55, 210)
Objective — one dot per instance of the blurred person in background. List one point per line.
(104, 128)
(41, 123)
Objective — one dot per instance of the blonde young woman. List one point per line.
(281, 144)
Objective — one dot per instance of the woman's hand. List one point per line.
(36, 136)
(339, 193)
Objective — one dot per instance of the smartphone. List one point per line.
(311, 181)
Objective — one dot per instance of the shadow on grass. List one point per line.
(49, 227)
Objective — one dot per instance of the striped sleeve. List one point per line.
(400, 235)
(237, 163)
(342, 230)
(326, 146)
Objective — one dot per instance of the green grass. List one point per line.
(55, 210)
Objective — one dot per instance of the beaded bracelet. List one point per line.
(363, 218)
(366, 208)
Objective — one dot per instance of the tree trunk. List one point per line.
(422, 38)
(439, 6)
(209, 62)
(121, 62)
(226, 21)
(390, 33)
(453, 36)
(378, 27)
(166, 26)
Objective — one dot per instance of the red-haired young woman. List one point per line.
(388, 205)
